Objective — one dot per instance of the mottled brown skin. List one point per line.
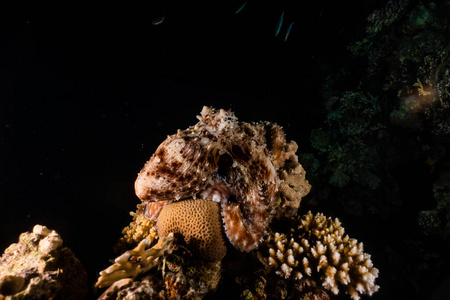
(222, 160)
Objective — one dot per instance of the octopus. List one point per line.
(219, 159)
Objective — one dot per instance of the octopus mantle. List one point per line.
(223, 160)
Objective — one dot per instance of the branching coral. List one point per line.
(136, 261)
(316, 248)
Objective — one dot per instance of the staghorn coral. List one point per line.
(223, 160)
(198, 224)
(38, 267)
(136, 261)
(316, 248)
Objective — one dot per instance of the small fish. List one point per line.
(158, 20)
(241, 7)
(279, 24)
(288, 31)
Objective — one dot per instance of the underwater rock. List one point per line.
(38, 267)
(317, 249)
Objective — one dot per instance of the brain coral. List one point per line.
(198, 223)
(317, 249)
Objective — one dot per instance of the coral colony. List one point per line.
(222, 182)
(317, 247)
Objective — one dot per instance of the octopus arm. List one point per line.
(153, 209)
(237, 231)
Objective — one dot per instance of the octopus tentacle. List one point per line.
(153, 209)
(237, 230)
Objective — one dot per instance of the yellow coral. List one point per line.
(317, 247)
(140, 228)
(199, 225)
(136, 261)
(422, 91)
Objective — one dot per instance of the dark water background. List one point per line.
(88, 93)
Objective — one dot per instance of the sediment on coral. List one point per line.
(317, 248)
(39, 267)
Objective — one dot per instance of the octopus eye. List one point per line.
(231, 199)
(224, 164)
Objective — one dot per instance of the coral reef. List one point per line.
(223, 160)
(317, 249)
(245, 174)
(38, 267)
(334, 261)
(198, 224)
(191, 267)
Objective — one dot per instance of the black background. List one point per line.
(88, 93)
